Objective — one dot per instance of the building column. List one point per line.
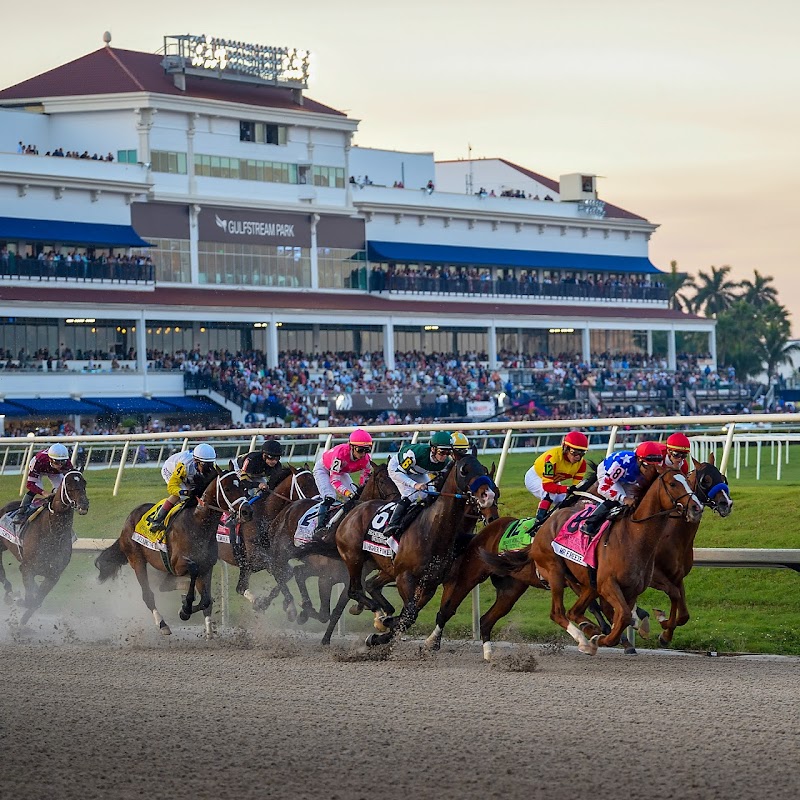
(712, 347)
(314, 261)
(272, 342)
(491, 335)
(586, 345)
(672, 361)
(141, 348)
(194, 250)
(191, 129)
(315, 337)
(388, 344)
(649, 342)
(519, 341)
(144, 123)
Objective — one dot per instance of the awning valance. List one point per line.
(410, 253)
(54, 231)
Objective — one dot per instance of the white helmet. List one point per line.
(204, 452)
(58, 452)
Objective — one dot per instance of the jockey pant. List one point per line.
(323, 480)
(536, 486)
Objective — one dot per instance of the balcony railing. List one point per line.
(27, 269)
(420, 284)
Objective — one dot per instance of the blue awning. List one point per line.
(10, 410)
(191, 405)
(410, 253)
(130, 405)
(58, 232)
(56, 405)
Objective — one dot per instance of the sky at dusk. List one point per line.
(688, 109)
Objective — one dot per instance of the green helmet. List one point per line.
(441, 439)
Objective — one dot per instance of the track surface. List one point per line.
(266, 715)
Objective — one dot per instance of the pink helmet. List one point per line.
(360, 437)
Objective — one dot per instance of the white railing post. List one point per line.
(501, 464)
(476, 613)
(726, 450)
(612, 440)
(780, 462)
(24, 467)
(122, 461)
(224, 599)
(5, 459)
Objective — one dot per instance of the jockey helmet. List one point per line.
(442, 440)
(650, 452)
(204, 453)
(360, 438)
(272, 447)
(679, 441)
(576, 440)
(58, 454)
(459, 443)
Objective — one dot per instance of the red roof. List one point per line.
(265, 301)
(113, 71)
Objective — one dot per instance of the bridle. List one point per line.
(709, 501)
(295, 490)
(64, 493)
(219, 491)
(677, 505)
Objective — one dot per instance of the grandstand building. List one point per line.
(199, 198)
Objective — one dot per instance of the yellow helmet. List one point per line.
(459, 442)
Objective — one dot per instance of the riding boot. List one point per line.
(396, 522)
(323, 515)
(541, 516)
(25, 509)
(592, 525)
(157, 523)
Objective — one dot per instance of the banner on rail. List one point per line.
(479, 409)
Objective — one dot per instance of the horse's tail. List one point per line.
(316, 547)
(506, 563)
(110, 561)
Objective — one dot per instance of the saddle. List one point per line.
(13, 530)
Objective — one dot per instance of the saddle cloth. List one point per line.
(14, 531)
(154, 540)
(375, 540)
(306, 525)
(223, 531)
(517, 535)
(573, 544)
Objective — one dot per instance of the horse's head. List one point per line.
(473, 479)
(711, 486)
(228, 492)
(679, 495)
(379, 486)
(302, 484)
(72, 493)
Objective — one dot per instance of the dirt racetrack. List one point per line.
(266, 715)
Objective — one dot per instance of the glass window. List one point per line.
(126, 156)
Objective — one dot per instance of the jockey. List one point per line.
(186, 473)
(52, 463)
(555, 470)
(460, 444)
(621, 479)
(676, 452)
(412, 468)
(263, 463)
(333, 468)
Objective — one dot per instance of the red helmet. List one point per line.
(576, 440)
(651, 452)
(679, 441)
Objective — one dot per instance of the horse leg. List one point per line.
(509, 591)
(612, 592)
(243, 584)
(409, 588)
(140, 569)
(335, 617)
(559, 615)
(206, 602)
(471, 572)
(384, 616)
(355, 588)
(302, 573)
(678, 615)
(188, 601)
(263, 603)
(40, 592)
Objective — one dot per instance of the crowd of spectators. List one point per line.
(59, 152)
(75, 264)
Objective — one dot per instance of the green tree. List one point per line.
(775, 348)
(739, 329)
(758, 292)
(677, 282)
(714, 292)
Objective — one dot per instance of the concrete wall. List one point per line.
(384, 167)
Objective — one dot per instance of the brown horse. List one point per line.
(192, 547)
(426, 549)
(626, 557)
(47, 541)
(286, 486)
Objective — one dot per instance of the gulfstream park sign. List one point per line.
(245, 226)
(252, 228)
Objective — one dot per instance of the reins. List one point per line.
(676, 504)
(220, 490)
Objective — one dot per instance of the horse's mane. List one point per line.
(279, 477)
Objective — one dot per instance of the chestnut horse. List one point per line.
(47, 541)
(191, 543)
(426, 548)
(284, 487)
(626, 557)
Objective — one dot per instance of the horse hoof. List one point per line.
(630, 651)
(184, 615)
(302, 617)
(662, 642)
(660, 615)
(376, 639)
(291, 614)
(164, 629)
(381, 622)
(644, 627)
(356, 609)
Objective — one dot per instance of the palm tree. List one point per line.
(758, 292)
(676, 282)
(714, 292)
(775, 348)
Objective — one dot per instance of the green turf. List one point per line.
(741, 610)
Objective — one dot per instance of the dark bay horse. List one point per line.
(426, 548)
(626, 558)
(286, 486)
(47, 541)
(191, 542)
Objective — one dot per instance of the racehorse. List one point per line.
(626, 556)
(192, 547)
(286, 486)
(47, 541)
(426, 548)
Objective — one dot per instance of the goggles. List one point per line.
(573, 451)
(362, 449)
(677, 454)
(271, 458)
